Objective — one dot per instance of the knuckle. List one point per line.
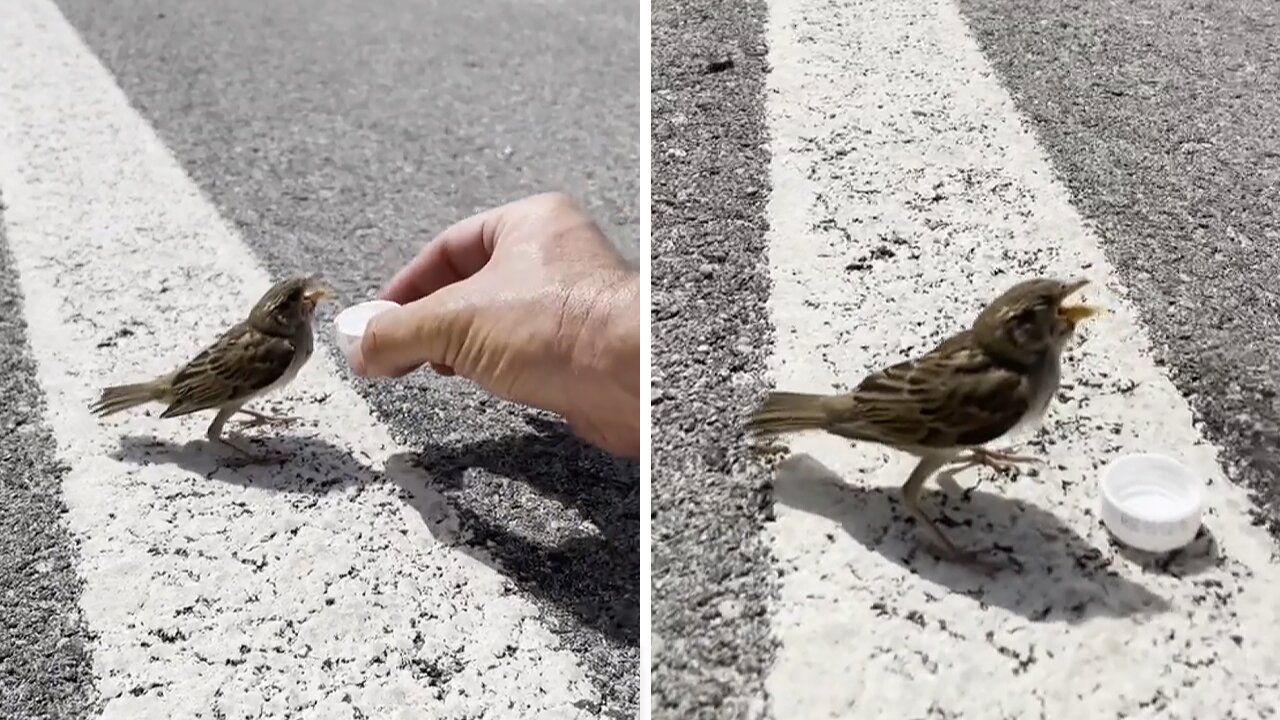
(554, 202)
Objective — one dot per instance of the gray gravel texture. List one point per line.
(712, 580)
(45, 667)
(338, 136)
(1163, 119)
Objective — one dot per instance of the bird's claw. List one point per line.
(998, 460)
(979, 561)
(259, 419)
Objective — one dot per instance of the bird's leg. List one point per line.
(911, 498)
(998, 460)
(214, 435)
(261, 419)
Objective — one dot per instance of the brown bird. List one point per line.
(260, 354)
(981, 384)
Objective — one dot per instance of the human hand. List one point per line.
(530, 301)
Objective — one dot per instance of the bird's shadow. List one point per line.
(286, 463)
(592, 571)
(1052, 573)
(592, 576)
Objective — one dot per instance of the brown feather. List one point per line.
(123, 397)
(238, 364)
(790, 412)
(954, 396)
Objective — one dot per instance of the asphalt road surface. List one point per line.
(425, 547)
(839, 185)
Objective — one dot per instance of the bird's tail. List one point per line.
(783, 412)
(122, 397)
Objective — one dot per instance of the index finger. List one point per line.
(455, 254)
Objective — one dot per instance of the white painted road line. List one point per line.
(907, 192)
(308, 588)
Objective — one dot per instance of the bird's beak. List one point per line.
(1075, 313)
(317, 293)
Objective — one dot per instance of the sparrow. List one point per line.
(257, 355)
(992, 379)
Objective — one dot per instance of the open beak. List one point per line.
(1076, 313)
(317, 293)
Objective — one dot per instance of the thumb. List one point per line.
(428, 330)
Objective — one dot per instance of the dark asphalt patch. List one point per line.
(712, 576)
(46, 670)
(1161, 118)
(339, 136)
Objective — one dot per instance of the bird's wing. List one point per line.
(954, 396)
(239, 363)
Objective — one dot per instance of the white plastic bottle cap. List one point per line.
(350, 323)
(1152, 502)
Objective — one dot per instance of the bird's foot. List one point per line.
(977, 560)
(998, 460)
(944, 549)
(259, 419)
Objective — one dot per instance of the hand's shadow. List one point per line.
(595, 576)
(1054, 575)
